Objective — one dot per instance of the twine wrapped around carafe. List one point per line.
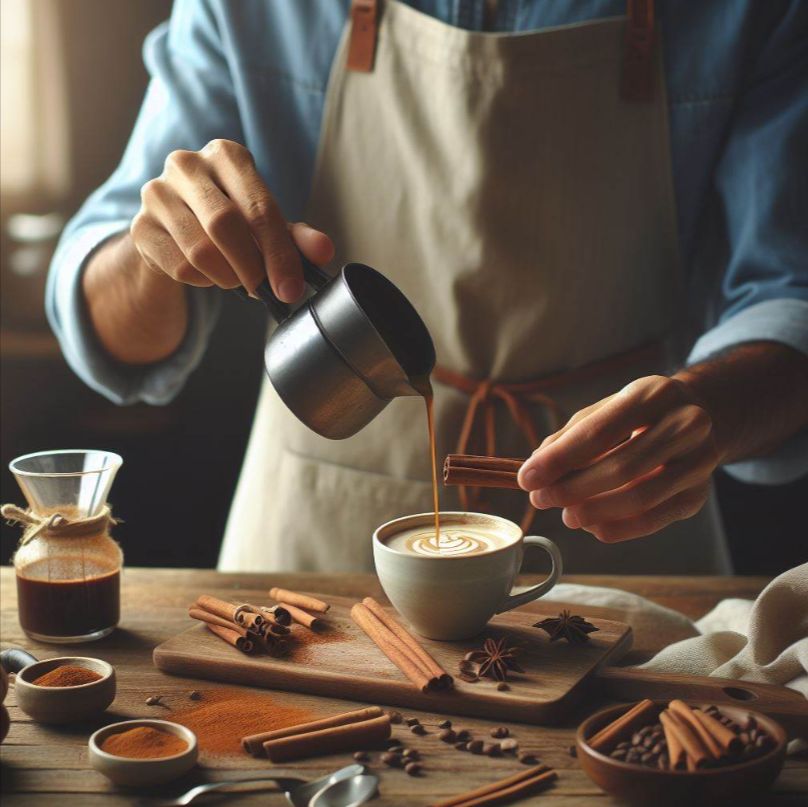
(57, 525)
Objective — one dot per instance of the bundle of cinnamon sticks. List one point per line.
(481, 472)
(504, 791)
(344, 732)
(249, 628)
(299, 606)
(400, 646)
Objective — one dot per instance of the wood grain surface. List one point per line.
(47, 766)
(344, 661)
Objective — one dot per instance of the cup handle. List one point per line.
(515, 600)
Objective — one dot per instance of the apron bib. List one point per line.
(526, 209)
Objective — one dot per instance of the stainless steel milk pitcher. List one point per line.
(347, 351)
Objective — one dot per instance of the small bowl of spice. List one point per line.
(672, 752)
(140, 753)
(67, 689)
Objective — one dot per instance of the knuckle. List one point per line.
(258, 209)
(203, 253)
(696, 419)
(226, 149)
(221, 223)
(180, 160)
(153, 191)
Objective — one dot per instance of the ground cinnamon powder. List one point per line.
(67, 676)
(224, 716)
(144, 742)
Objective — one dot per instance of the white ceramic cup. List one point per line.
(453, 597)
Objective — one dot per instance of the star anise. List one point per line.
(574, 629)
(495, 659)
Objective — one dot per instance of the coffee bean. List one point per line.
(492, 750)
(393, 760)
(412, 768)
(648, 740)
(395, 717)
(636, 738)
(468, 678)
(411, 753)
(573, 751)
(762, 741)
(625, 744)
(412, 721)
(645, 730)
(195, 695)
(658, 749)
(154, 700)
(476, 746)
(361, 756)
(618, 753)
(447, 735)
(499, 732)
(464, 735)
(417, 729)
(633, 755)
(445, 724)
(502, 687)
(462, 746)
(510, 744)
(528, 759)
(396, 748)
(647, 757)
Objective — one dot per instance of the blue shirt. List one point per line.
(255, 71)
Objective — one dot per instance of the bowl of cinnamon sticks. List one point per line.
(666, 752)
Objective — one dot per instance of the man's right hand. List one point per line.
(209, 220)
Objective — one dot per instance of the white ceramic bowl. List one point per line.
(142, 772)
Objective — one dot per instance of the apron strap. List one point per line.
(519, 398)
(638, 64)
(362, 45)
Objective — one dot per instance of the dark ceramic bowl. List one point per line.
(640, 785)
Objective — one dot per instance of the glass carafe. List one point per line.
(68, 584)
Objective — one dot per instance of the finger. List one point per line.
(314, 244)
(639, 404)
(160, 253)
(676, 434)
(218, 215)
(642, 494)
(679, 507)
(184, 227)
(235, 173)
(576, 418)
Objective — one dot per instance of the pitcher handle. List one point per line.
(515, 600)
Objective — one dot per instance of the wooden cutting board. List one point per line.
(342, 662)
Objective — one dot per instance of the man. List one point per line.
(563, 207)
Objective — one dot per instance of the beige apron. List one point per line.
(527, 211)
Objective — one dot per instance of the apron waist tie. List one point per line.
(518, 399)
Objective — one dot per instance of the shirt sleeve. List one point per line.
(190, 101)
(762, 183)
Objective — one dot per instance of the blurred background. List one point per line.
(72, 82)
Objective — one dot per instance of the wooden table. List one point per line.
(47, 767)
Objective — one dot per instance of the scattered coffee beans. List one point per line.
(395, 717)
(499, 732)
(502, 687)
(462, 746)
(154, 700)
(509, 745)
(195, 695)
(411, 753)
(412, 721)
(361, 756)
(447, 735)
(412, 768)
(445, 724)
(417, 729)
(492, 750)
(476, 746)
(528, 759)
(464, 735)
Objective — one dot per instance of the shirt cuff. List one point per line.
(783, 320)
(156, 383)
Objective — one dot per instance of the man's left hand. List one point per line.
(630, 464)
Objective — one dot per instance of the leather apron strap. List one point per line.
(637, 80)
(520, 399)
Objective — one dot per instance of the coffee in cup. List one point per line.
(448, 587)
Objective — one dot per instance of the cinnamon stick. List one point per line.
(480, 478)
(676, 751)
(729, 742)
(231, 637)
(624, 726)
(301, 617)
(473, 461)
(285, 596)
(696, 755)
(328, 741)
(277, 614)
(254, 744)
(431, 667)
(388, 643)
(214, 605)
(520, 784)
(688, 715)
(212, 619)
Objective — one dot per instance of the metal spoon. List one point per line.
(347, 792)
(298, 792)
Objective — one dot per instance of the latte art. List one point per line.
(454, 541)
